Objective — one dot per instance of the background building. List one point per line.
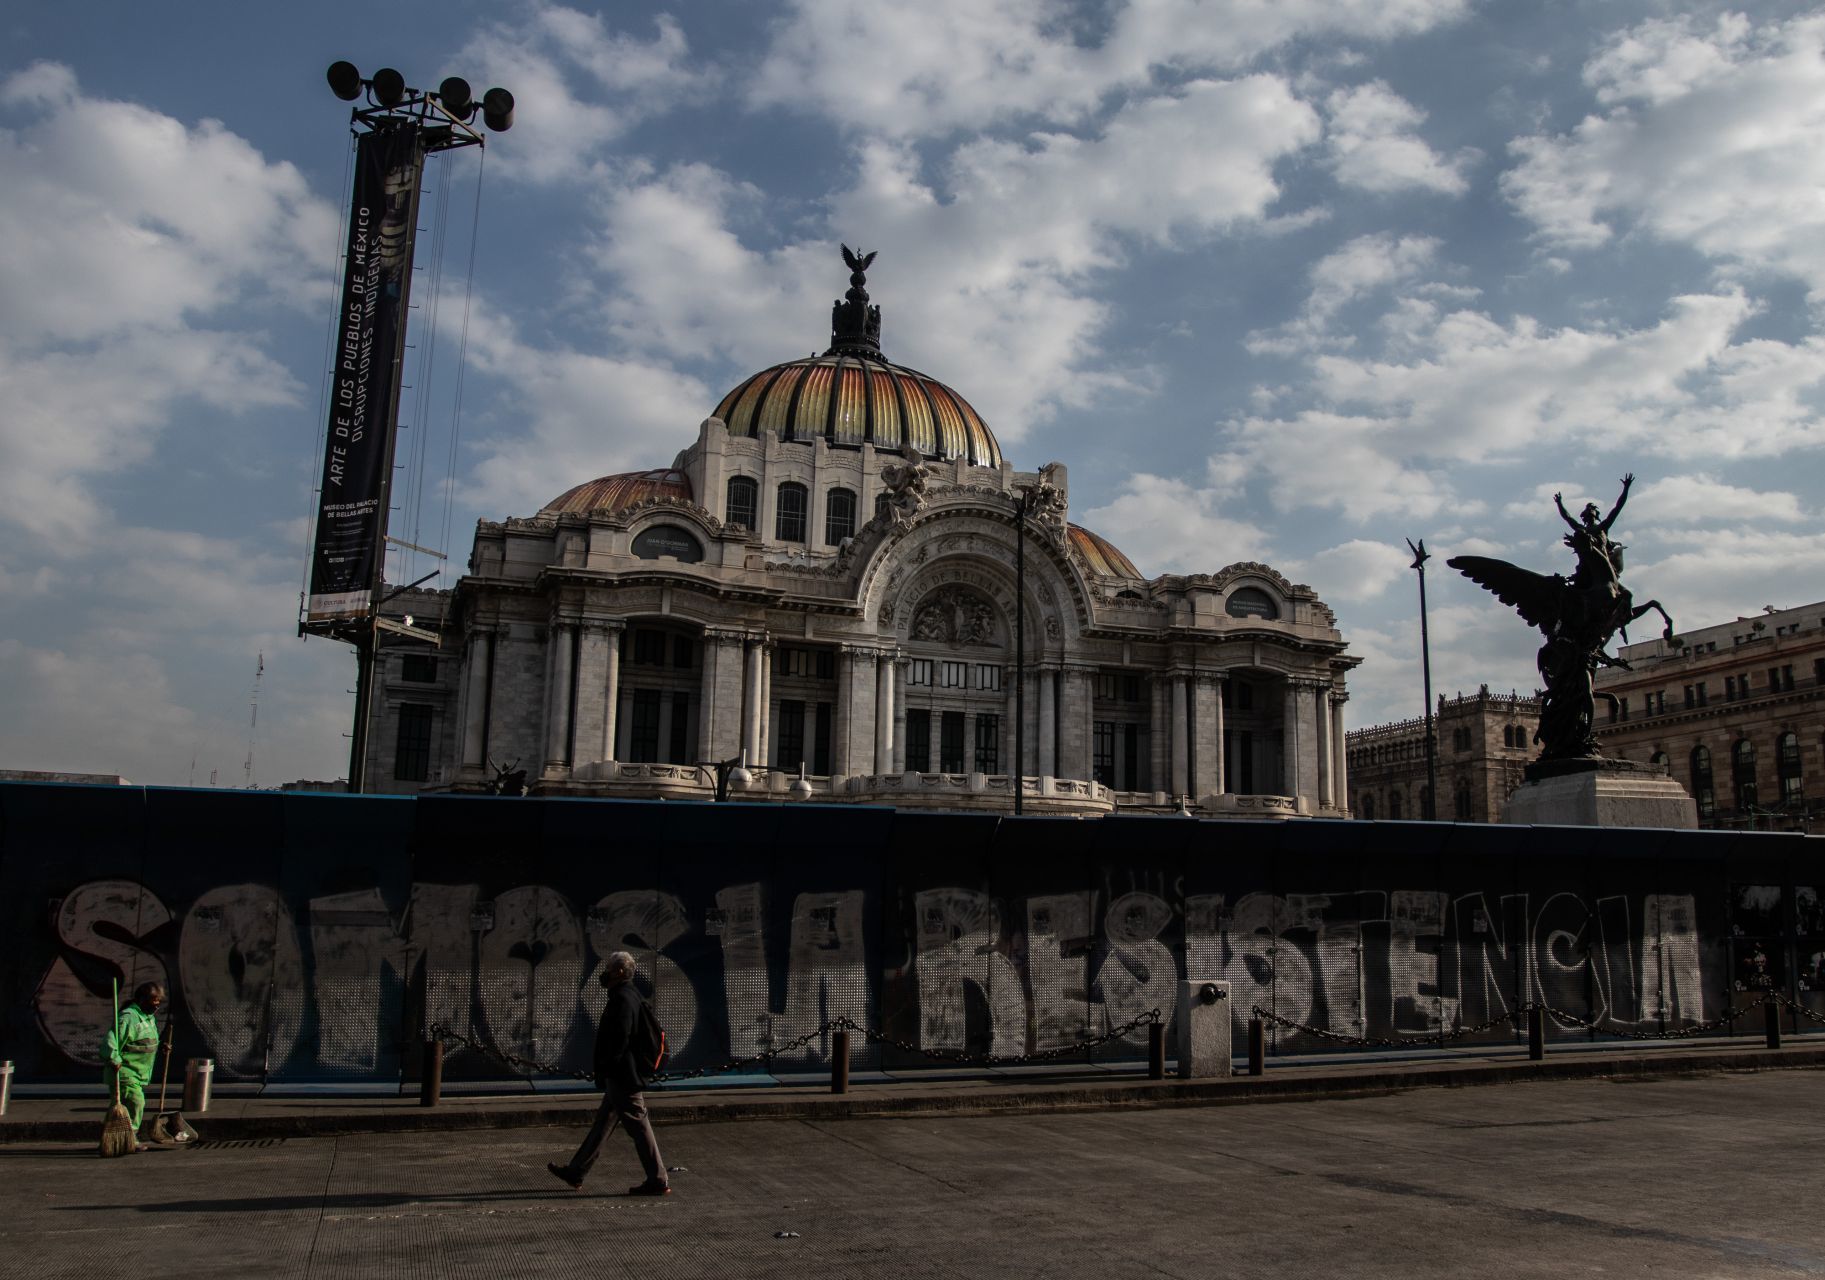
(1484, 742)
(826, 577)
(1736, 712)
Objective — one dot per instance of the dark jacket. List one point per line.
(614, 1063)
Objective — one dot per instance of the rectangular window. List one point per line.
(1703, 701)
(1102, 764)
(1105, 686)
(649, 648)
(679, 747)
(418, 668)
(919, 671)
(789, 516)
(795, 662)
(919, 741)
(1818, 670)
(1729, 688)
(1691, 698)
(1625, 708)
(1245, 697)
(956, 675)
(791, 733)
(683, 651)
(950, 745)
(1131, 757)
(1131, 688)
(825, 668)
(744, 499)
(987, 676)
(839, 516)
(820, 750)
(412, 753)
(1787, 679)
(988, 744)
(643, 726)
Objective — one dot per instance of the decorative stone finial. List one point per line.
(855, 327)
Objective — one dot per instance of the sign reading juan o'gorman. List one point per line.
(351, 509)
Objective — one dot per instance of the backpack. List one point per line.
(648, 1042)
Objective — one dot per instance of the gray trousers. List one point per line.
(629, 1110)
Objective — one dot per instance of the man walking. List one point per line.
(618, 1075)
(130, 1049)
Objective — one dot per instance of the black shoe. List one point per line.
(651, 1189)
(563, 1174)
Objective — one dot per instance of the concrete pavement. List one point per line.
(1699, 1176)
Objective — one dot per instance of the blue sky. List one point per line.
(1279, 280)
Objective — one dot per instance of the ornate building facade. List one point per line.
(842, 578)
(1736, 712)
(1484, 742)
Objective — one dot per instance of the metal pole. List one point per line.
(839, 1062)
(1156, 1051)
(1257, 1047)
(431, 1083)
(1425, 652)
(1020, 651)
(365, 648)
(1536, 1034)
(1771, 1019)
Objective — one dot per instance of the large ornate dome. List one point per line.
(613, 493)
(853, 395)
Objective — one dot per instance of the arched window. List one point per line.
(743, 505)
(1742, 772)
(789, 517)
(839, 516)
(1463, 799)
(1791, 790)
(1368, 805)
(1251, 602)
(1704, 790)
(1394, 805)
(880, 503)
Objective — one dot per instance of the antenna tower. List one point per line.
(253, 718)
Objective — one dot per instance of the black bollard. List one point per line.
(1771, 1012)
(1257, 1047)
(1156, 1051)
(839, 1062)
(1536, 1034)
(431, 1082)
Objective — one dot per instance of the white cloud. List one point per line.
(1357, 268)
(988, 279)
(1354, 571)
(909, 71)
(1165, 525)
(1701, 499)
(1708, 137)
(1375, 145)
(577, 85)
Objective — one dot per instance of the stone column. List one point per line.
(839, 714)
(1181, 738)
(1048, 724)
(883, 715)
(1289, 739)
(1073, 751)
(750, 705)
(475, 704)
(1159, 733)
(719, 716)
(766, 703)
(592, 677)
(611, 690)
(1009, 765)
(1322, 718)
(1339, 754)
(1206, 720)
(859, 729)
(1222, 752)
(558, 677)
(899, 714)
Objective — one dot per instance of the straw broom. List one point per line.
(117, 1138)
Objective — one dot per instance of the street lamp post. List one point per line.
(1425, 651)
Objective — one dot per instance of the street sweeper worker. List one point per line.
(131, 1046)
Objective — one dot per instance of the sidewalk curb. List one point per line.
(1286, 1084)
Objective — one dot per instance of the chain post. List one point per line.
(1771, 1020)
(839, 1061)
(1536, 1032)
(1257, 1047)
(431, 1079)
(1156, 1051)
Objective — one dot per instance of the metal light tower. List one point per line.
(396, 127)
(1425, 651)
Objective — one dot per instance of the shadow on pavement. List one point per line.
(283, 1204)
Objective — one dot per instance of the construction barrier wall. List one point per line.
(313, 937)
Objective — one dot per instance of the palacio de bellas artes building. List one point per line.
(826, 580)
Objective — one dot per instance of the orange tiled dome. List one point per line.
(614, 493)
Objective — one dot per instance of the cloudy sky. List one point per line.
(1280, 280)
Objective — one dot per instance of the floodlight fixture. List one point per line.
(497, 109)
(345, 81)
(456, 98)
(389, 87)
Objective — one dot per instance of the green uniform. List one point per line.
(131, 1048)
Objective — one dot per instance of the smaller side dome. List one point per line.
(618, 492)
(1101, 555)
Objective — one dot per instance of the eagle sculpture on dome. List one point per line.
(858, 262)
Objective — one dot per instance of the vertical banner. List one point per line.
(358, 455)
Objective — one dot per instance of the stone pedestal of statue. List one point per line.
(1600, 793)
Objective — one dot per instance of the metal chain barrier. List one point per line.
(1678, 1033)
(530, 1066)
(1440, 1037)
(1731, 1014)
(1787, 1002)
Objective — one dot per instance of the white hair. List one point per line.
(620, 964)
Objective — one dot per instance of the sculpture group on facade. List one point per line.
(1578, 616)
